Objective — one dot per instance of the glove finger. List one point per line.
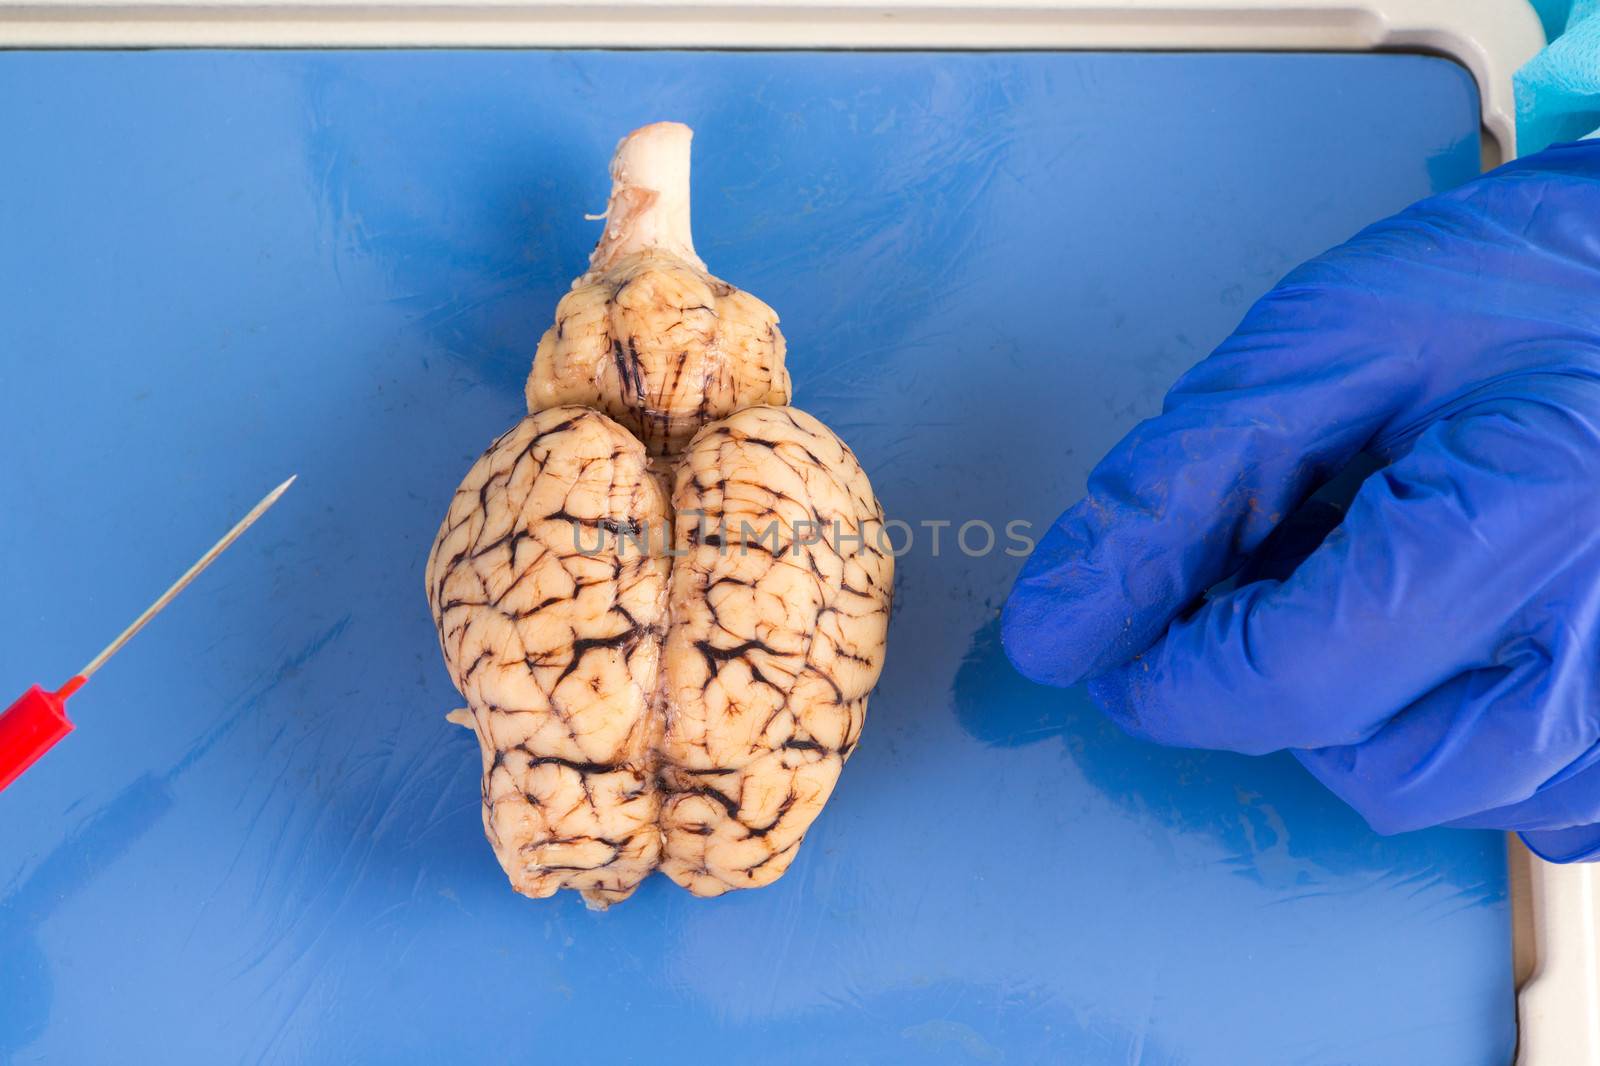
(1568, 798)
(1187, 496)
(1581, 843)
(1488, 749)
(1439, 554)
(1561, 822)
(1295, 538)
(1364, 345)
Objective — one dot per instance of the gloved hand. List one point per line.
(1436, 658)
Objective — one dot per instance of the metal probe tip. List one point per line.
(179, 585)
(38, 720)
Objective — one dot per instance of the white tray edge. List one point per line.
(1490, 38)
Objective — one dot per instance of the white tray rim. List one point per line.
(1490, 38)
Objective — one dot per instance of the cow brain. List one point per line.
(664, 594)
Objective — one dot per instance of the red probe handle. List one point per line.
(32, 726)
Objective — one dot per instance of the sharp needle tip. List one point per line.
(189, 575)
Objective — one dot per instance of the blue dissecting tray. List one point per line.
(263, 844)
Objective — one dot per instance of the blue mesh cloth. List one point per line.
(1558, 92)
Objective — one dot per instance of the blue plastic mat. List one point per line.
(263, 844)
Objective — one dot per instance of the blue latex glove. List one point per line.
(1436, 659)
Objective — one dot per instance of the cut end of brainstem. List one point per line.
(649, 204)
(665, 665)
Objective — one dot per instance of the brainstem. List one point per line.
(550, 625)
(779, 610)
(660, 346)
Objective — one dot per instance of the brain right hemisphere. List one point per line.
(778, 612)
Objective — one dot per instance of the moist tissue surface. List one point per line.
(664, 594)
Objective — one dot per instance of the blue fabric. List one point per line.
(1558, 91)
(1428, 653)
